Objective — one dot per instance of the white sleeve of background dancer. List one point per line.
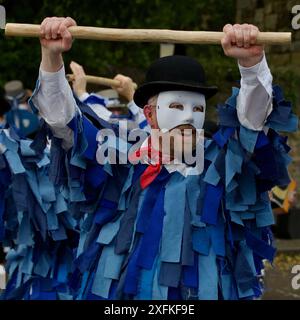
(56, 104)
(254, 102)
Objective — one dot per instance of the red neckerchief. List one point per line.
(154, 158)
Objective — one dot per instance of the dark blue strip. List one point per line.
(151, 239)
(212, 199)
(260, 247)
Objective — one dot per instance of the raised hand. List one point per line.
(126, 87)
(239, 42)
(55, 39)
(79, 82)
(55, 35)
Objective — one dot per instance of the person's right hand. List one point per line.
(79, 82)
(55, 36)
(125, 88)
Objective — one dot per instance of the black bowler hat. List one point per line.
(173, 73)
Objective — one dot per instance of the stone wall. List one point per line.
(284, 61)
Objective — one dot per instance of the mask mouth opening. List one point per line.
(184, 128)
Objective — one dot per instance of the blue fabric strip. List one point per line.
(187, 254)
(133, 271)
(228, 116)
(143, 124)
(221, 137)
(236, 218)
(194, 187)
(83, 262)
(201, 240)
(169, 274)
(264, 217)
(52, 220)
(42, 267)
(90, 134)
(14, 162)
(151, 239)
(94, 99)
(125, 233)
(126, 186)
(2, 230)
(217, 234)
(211, 150)
(146, 283)
(8, 143)
(259, 246)
(174, 219)
(212, 176)
(108, 232)
(158, 292)
(101, 284)
(46, 188)
(174, 293)
(248, 138)
(247, 186)
(232, 203)
(233, 160)
(25, 148)
(208, 277)
(45, 161)
(262, 140)
(147, 206)
(212, 199)
(227, 287)
(190, 274)
(25, 235)
(113, 265)
(27, 264)
(59, 234)
(244, 271)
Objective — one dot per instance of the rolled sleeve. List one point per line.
(53, 98)
(254, 102)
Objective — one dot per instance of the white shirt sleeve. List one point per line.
(56, 104)
(101, 111)
(254, 102)
(83, 96)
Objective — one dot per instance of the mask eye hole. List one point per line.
(198, 108)
(176, 105)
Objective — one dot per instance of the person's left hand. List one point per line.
(239, 42)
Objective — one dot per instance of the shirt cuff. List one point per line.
(133, 107)
(259, 73)
(56, 81)
(260, 70)
(83, 96)
(52, 76)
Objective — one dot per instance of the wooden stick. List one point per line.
(145, 35)
(99, 80)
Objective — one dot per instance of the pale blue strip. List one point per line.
(208, 277)
(158, 292)
(108, 232)
(101, 284)
(174, 219)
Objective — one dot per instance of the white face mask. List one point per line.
(176, 108)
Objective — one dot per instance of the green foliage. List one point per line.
(19, 57)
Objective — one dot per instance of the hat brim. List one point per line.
(148, 90)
